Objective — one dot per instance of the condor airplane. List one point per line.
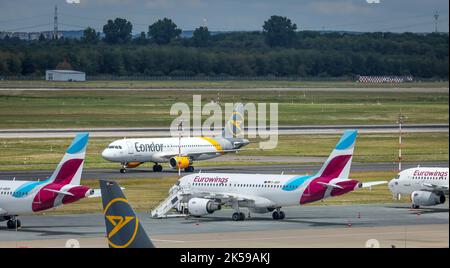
(203, 193)
(426, 186)
(61, 188)
(178, 152)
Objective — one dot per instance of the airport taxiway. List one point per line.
(141, 172)
(165, 132)
(391, 225)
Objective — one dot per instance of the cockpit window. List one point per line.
(397, 177)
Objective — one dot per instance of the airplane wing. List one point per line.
(227, 198)
(3, 212)
(436, 188)
(372, 183)
(98, 193)
(170, 155)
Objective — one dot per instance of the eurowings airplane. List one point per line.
(180, 153)
(203, 193)
(427, 186)
(61, 188)
(123, 229)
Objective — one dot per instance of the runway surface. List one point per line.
(308, 226)
(262, 169)
(165, 132)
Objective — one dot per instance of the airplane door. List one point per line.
(130, 147)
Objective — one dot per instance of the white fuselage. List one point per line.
(417, 179)
(157, 150)
(14, 202)
(267, 190)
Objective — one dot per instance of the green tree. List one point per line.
(279, 31)
(118, 31)
(163, 31)
(201, 36)
(90, 36)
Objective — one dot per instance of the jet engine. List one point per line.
(180, 162)
(424, 198)
(202, 206)
(132, 164)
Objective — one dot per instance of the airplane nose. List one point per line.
(106, 154)
(392, 184)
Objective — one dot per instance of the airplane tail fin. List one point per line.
(233, 126)
(70, 168)
(339, 162)
(122, 224)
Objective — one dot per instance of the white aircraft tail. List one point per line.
(70, 168)
(340, 160)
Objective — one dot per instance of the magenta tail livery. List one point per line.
(203, 193)
(61, 188)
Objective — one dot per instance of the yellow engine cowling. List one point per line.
(180, 162)
(132, 164)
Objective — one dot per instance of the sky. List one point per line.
(229, 15)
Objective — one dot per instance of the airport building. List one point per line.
(64, 75)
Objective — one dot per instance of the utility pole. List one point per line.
(400, 120)
(55, 23)
(436, 17)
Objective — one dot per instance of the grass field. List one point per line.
(78, 109)
(210, 84)
(31, 154)
(145, 194)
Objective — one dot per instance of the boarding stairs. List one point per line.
(173, 200)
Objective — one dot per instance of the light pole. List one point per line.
(400, 120)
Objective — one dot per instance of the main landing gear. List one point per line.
(157, 168)
(278, 214)
(415, 206)
(189, 169)
(238, 216)
(13, 223)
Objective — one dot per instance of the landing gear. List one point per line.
(238, 216)
(278, 214)
(157, 168)
(189, 169)
(415, 206)
(13, 223)
(123, 170)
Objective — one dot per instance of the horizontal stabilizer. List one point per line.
(59, 192)
(330, 185)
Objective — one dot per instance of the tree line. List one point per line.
(278, 50)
